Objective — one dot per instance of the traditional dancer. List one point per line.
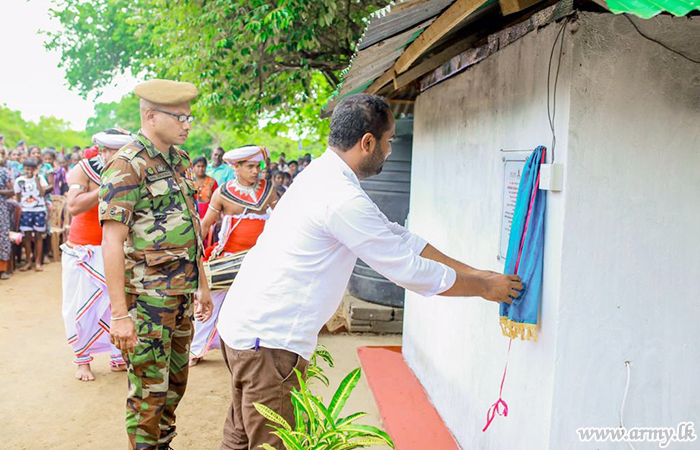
(244, 204)
(86, 308)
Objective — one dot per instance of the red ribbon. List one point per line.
(496, 407)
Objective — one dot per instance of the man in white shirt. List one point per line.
(306, 255)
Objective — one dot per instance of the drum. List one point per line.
(222, 271)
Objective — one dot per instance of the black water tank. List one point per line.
(390, 190)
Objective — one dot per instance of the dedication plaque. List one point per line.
(513, 163)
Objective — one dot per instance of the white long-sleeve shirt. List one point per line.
(293, 280)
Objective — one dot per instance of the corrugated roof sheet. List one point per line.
(372, 62)
(389, 32)
(398, 17)
(650, 8)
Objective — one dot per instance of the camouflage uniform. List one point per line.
(153, 194)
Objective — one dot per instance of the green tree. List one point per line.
(101, 39)
(248, 57)
(48, 131)
(122, 114)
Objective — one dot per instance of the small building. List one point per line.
(483, 80)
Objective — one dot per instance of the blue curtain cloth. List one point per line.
(526, 252)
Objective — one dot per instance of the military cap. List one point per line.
(166, 92)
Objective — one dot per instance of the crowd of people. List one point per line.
(32, 179)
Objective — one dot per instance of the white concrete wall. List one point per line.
(631, 251)
(622, 244)
(455, 345)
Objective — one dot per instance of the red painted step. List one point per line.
(408, 416)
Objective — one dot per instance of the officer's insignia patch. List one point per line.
(159, 176)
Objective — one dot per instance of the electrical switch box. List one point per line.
(551, 177)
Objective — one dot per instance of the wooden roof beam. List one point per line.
(381, 81)
(449, 19)
(432, 63)
(421, 69)
(513, 6)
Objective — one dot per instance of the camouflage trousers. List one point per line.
(157, 368)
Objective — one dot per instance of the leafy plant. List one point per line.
(320, 427)
(314, 371)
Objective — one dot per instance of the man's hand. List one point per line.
(500, 288)
(123, 334)
(203, 306)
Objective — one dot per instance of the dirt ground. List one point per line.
(44, 406)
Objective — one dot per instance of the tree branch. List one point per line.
(331, 78)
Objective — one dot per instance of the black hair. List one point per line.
(199, 159)
(286, 175)
(31, 162)
(356, 116)
(294, 161)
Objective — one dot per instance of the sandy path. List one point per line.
(44, 406)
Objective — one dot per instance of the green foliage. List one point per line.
(48, 131)
(320, 427)
(249, 58)
(101, 40)
(122, 114)
(315, 371)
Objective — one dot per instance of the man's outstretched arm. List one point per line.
(474, 282)
(393, 251)
(431, 252)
